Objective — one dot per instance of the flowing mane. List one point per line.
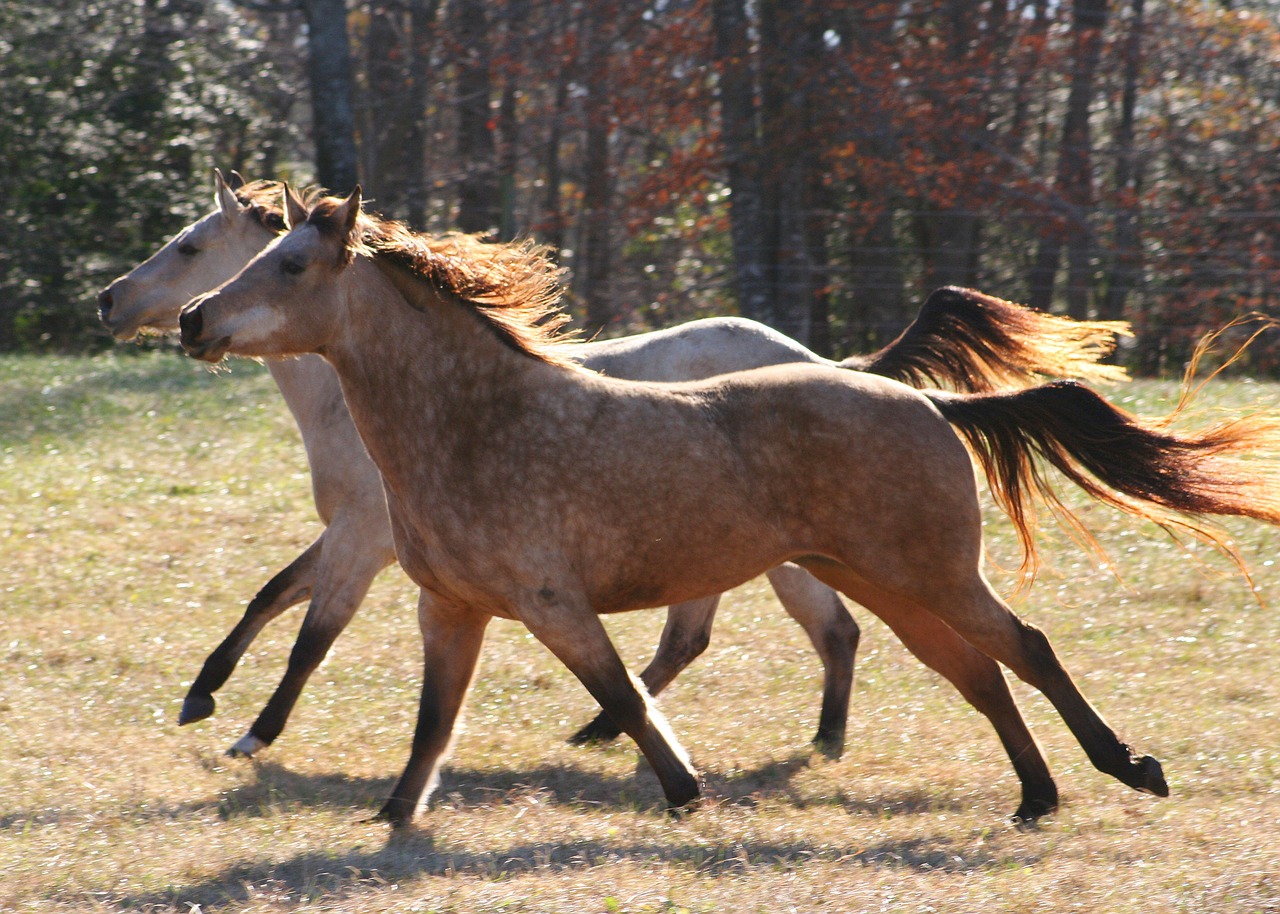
(514, 287)
(262, 201)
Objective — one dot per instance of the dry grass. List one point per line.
(143, 500)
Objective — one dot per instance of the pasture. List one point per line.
(143, 500)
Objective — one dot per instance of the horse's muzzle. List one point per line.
(191, 322)
(191, 326)
(105, 304)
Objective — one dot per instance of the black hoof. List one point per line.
(1032, 810)
(1150, 777)
(830, 745)
(600, 730)
(396, 813)
(196, 707)
(676, 813)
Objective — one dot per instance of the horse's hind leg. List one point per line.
(343, 577)
(288, 587)
(835, 634)
(978, 616)
(979, 679)
(1026, 650)
(684, 638)
(451, 640)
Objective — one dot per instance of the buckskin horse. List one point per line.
(961, 337)
(521, 485)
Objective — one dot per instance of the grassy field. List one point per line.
(144, 499)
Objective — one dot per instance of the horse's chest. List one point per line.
(454, 554)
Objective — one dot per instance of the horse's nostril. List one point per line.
(190, 321)
(105, 303)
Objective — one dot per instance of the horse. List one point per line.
(522, 485)
(961, 337)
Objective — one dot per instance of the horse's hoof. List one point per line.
(396, 813)
(676, 813)
(1033, 809)
(831, 746)
(1150, 777)
(600, 730)
(246, 746)
(196, 707)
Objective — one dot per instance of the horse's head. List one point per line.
(289, 299)
(201, 257)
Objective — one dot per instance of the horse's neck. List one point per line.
(417, 376)
(310, 389)
(341, 473)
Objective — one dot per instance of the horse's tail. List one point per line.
(975, 342)
(1143, 468)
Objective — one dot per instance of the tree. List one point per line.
(1073, 186)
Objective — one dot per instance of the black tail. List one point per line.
(976, 343)
(1143, 468)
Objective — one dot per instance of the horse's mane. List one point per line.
(514, 287)
(262, 201)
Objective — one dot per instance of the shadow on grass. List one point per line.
(276, 790)
(377, 857)
(415, 855)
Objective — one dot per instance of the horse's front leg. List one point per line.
(574, 633)
(685, 637)
(288, 587)
(451, 639)
(349, 562)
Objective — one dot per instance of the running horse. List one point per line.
(961, 338)
(521, 485)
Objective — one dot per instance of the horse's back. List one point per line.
(694, 350)
(842, 459)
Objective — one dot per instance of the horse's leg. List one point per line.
(574, 633)
(1026, 650)
(684, 638)
(451, 640)
(975, 613)
(835, 634)
(287, 588)
(979, 680)
(344, 574)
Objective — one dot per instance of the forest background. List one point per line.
(816, 164)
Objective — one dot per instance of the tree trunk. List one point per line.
(422, 18)
(478, 189)
(596, 255)
(380, 146)
(553, 208)
(516, 15)
(1127, 263)
(329, 73)
(790, 49)
(741, 151)
(1074, 180)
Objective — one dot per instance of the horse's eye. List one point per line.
(187, 249)
(292, 267)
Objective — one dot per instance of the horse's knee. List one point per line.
(311, 648)
(843, 634)
(694, 644)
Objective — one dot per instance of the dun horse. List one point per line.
(521, 485)
(961, 337)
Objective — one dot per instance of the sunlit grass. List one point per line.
(144, 499)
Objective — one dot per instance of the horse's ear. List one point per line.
(235, 180)
(295, 211)
(224, 196)
(347, 212)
